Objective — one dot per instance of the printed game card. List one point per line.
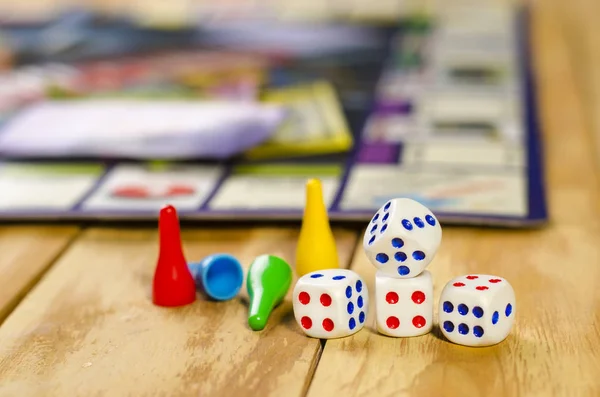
(146, 188)
(459, 190)
(315, 125)
(272, 186)
(45, 186)
(172, 129)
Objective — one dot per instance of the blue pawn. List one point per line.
(219, 276)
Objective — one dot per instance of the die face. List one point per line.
(330, 303)
(329, 277)
(402, 238)
(477, 310)
(404, 307)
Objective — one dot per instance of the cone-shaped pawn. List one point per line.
(269, 279)
(173, 283)
(316, 248)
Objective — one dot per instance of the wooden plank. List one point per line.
(579, 21)
(90, 328)
(25, 253)
(553, 349)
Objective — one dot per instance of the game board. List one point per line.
(453, 125)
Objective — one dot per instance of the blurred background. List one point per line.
(111, 109)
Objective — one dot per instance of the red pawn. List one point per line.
(173, 283)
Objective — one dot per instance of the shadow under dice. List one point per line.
(402, 238)
(477, 310)
(330, 303)
(404, 307)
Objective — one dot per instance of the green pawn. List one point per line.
(269, 279)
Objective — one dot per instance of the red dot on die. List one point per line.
(392, 322)
(495, 280)
(391, 297)
(459, 284)
(481, 287)
(304, 298)
(306, 322)
(328, 325)
(472, 277)
(419, 321)
(325, 300)
(418, 297)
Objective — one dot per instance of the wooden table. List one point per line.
(77, 318)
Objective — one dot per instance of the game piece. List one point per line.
(402, 238)
(219, 276)
(331, 303)
(477, 310)
(316, 249)
(173, 283)
(404, 307)
(269, 279)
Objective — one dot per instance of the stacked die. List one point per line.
(401, 240)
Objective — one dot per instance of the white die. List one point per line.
(331, 303)
(477, 310)
(402, 238)
(404, 307)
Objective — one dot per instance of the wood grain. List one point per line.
(25, 253)
(90, 329)
(579, 20)
(553, 349)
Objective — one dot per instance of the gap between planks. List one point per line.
(27, 253)
(89, 326)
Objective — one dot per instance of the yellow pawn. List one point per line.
(316, 248)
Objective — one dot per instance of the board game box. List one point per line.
(448, 118)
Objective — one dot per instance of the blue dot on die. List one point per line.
(385, 217)
(508, 310)
(407, 225)
(373, 229)
(430, 219)
(419, 222)
(317, 275)
(448, 307)
(495, 317)
(339, 277)
(400, 256)
(418, 255)
(448, 326)
(478, 312)
(359, 302)
(397, 242)
(358, 286)
(478, 331)
(375, 217)
(403, 270)
(361, 317)
(387, 206)
(384, 228)
(463, 329)
(463, 309)
(371, 240)
(350, 307)
(382, 258)
(348, 292)
(352, 323)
